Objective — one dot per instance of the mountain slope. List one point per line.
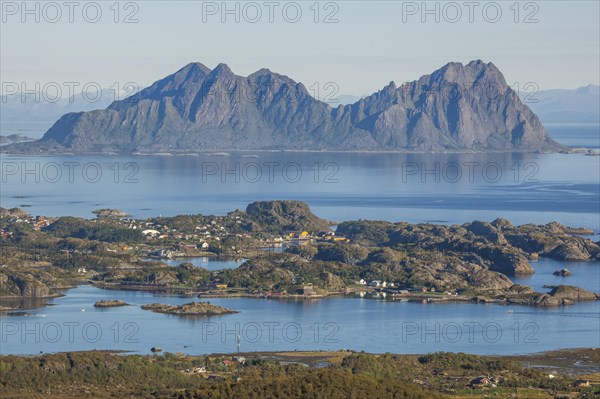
(581, 105)
(458, 107)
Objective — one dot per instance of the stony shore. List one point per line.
(189, 309)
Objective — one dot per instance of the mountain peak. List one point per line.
(474, 71)
(477, 64)
(195, 66)
(222, 69)
(192, 70)
(271, 111)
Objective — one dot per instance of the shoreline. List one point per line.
(558, 354)
(414, 298)
(219, 153)
(584, 151)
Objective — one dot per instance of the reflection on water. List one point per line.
(455, 188)
(23, 303)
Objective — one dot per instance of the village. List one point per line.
(159, 241)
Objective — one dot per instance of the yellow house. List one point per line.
(221, 286)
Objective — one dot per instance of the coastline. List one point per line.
(219, 153)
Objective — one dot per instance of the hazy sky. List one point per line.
(371, 44)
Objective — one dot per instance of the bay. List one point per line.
(71, 323)
(437, 188)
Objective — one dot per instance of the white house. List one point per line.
(150, 232)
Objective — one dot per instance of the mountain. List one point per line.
(581, 105)
(286, 215)
(199, 109)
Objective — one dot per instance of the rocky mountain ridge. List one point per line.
(456, 108)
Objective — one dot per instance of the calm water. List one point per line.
(441, 188)
(268, 325)
(209, 263)
(451, 188)
(587, 136)
(585, 275)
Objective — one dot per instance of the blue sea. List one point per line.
(436, 188)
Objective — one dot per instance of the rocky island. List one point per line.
(109, 213)
(472, 262)
(189, 309)
(456, 108)
(563, 273)
(107, 303)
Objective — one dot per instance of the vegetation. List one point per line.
(348, 375)
(473, 261)
(108, 231)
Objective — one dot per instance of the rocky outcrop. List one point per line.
(499, 246)
(442, 271)
(163, 277)
(287, 215)
(535, 299)
(341, 252)
(109, 213)
(559, 296)
(332, 283)
(13, 212)
(456, 275)
(518, 289)
(458, 107)
(572, 293)
(572, 251)
(552, 241)
(577, 230)
(487, 230)
(189, 309)
(563, 273)
(24, 286)
(107, 303)
(481, 242)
